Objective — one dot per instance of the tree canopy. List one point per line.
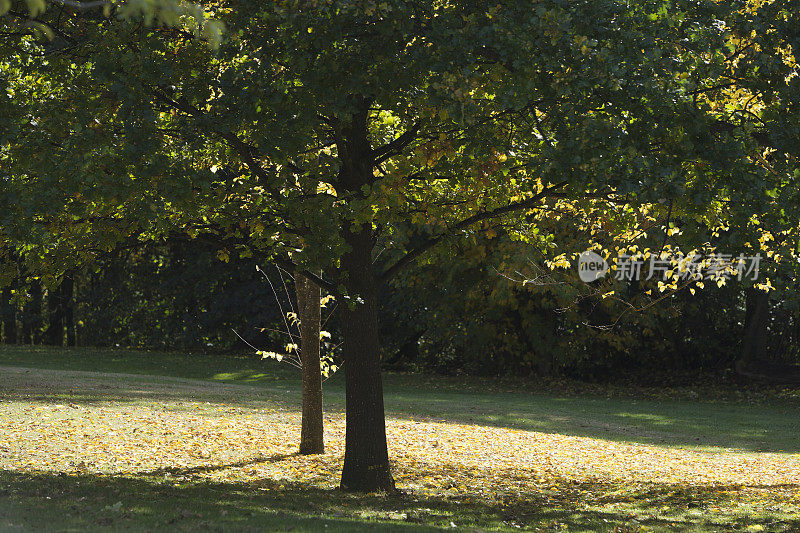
(357, 136)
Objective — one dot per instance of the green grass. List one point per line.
(175, 501)
(684, 418)
(195, 366)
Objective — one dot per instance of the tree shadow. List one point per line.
(751, 428)
(667, 423)
(207, 469)
(81, 387)
(155, 502)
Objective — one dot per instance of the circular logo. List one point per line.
(591, 266)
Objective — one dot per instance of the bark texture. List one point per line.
(308, 309)
(366, 457)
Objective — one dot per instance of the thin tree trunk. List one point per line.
(54, 334)
(756, 323)
(9, 317)
(32, 314)
(35, 320)
(26, 332)
(68, 305)
(308, 309)
(366, 457)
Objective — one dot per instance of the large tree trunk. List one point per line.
(366, 458)
(308, 310)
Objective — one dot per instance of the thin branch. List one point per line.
(478, 217)
(761, 137)
(631, 307)
(277, 299)
(288, 360)
(82, 5)
(702, 90)
(296, 312)
(244, 149)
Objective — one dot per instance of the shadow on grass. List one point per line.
(44, 385)
(184, 365)
(205, 469)
(668, 423)
(44, 501)
(244, 382)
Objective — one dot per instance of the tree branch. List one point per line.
(82, 5)
(429, 243)
(702, 90)
(494, 57)
(244, 149)
(396, 146)
(761, 137)
(317, 280)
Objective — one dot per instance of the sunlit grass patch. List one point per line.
(171, 453)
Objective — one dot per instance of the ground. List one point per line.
(116, 439)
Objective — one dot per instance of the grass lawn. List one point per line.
(117, 439)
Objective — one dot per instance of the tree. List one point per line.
(9, 317)
(60, 313)
(308, 312)
(417, 120)
(32, 314)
